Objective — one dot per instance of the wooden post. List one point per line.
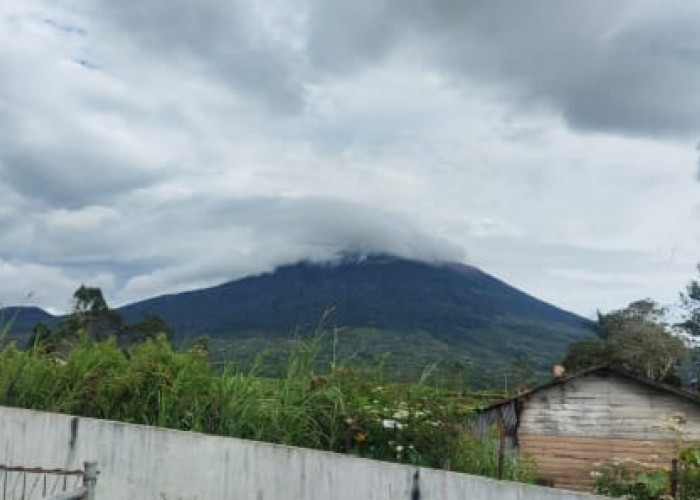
(674, 478)
(501, 442)
(90, 479)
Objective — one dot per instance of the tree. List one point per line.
(523, 372)
(92, 318)
(690, 301)
(634, 338)
(586, 354)
(88, 299)
(92, 314)
(148, 327)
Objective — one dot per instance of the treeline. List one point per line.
(92, 318)
(646, 339)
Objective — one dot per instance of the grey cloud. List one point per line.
(153, 247)
(623, 67)
(224, 39)
(67, 179)
(581, 278)
(246, 236)
(332, 225)
(48, 286)
(153, 174)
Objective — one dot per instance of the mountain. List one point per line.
(403, 313)
(419, 312)
(19, 321)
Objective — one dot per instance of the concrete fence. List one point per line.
(148, 463)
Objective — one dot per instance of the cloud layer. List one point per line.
(154, 147)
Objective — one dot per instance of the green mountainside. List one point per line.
(403, 313)
(406, 312)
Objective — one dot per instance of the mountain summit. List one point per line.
(452, 310)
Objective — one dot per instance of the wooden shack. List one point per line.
(603, 414)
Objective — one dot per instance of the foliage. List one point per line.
(419, 312)
(690, 473)
(355, 412)
(93, 318)
(523, 372)
(632, 480)
(633, 338)
(638, 481)
(690, 300)
(586, 354)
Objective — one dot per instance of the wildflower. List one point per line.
(401, 414)
(388, 423)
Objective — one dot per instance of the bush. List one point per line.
(631, 479)
(345, 411)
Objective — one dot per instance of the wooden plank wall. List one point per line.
(570, 461)
(570, 427)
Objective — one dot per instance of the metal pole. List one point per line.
(90, 479)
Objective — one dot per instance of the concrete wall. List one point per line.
(146, 463)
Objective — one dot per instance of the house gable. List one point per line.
(608, 404)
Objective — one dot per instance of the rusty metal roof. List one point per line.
(601, 369)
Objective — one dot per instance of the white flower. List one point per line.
(401, 414)
(388, 423)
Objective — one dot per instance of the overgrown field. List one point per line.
(348, 411)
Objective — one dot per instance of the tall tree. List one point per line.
(690, 301)
(92, 314)
(634, 338)
(92, 317)
(87, 299)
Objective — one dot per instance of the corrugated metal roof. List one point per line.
(691, 396)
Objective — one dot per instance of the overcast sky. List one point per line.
(156, 146)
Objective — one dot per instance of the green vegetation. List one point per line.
(420, 313)
(634, 338)
(635, 480)
(631, 480)
(355, 412)
(92, 317)
(690, 300)
(332, 391)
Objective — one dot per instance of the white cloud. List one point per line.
(157, 147)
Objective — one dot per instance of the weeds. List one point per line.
(348, 411)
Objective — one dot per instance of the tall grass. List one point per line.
(347, 411)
